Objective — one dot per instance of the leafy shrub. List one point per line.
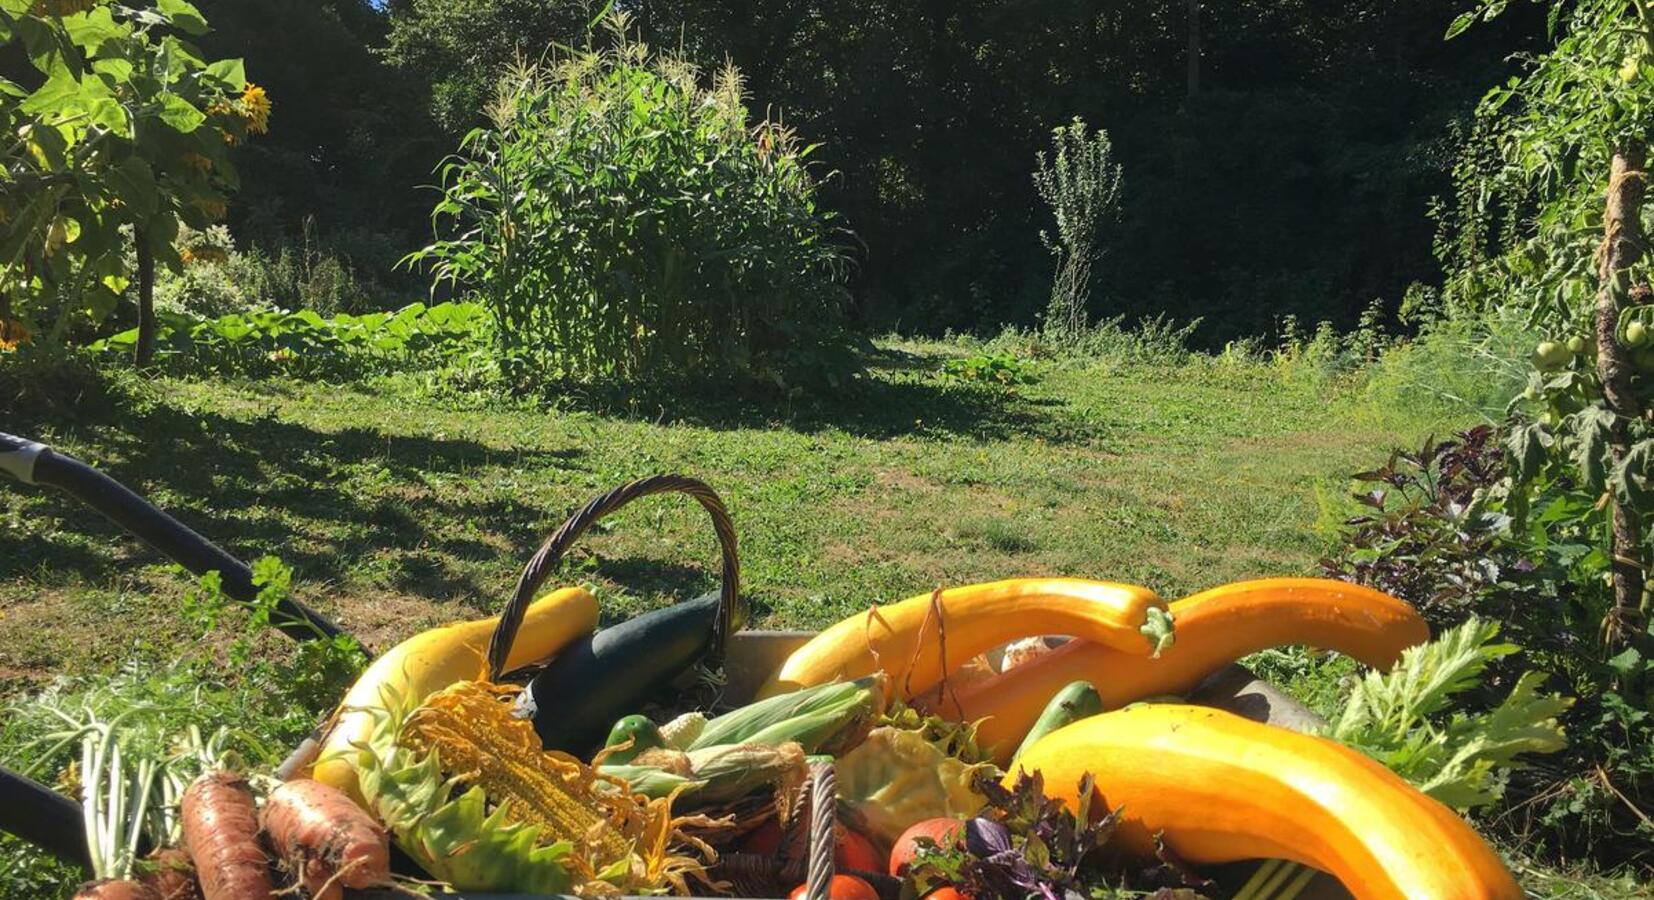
(277, 342)
(623, 222)
(997, 368)
(1451, 531)
(1427, 535)
(122, 133)
(211, 281)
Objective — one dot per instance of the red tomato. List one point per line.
(765, 839)
(855, 852)
(851, 851)
(842, 887)
(944, 831)
(947, 893)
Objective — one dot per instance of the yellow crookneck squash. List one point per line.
(1214, 628)
(906, 639)
(1219, 788)
(432, 660)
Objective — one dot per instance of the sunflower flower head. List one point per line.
(255, 109)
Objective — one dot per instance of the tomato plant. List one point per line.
(117, 132)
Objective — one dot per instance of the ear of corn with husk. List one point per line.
(683, 730)
(829, 718)
(713, 775)
(467, 791)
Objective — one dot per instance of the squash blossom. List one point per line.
(466, 791)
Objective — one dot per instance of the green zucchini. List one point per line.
(1077, 700)
(575, 699)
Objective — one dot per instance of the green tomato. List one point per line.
(1636, 334)
(1630, 67)
(1577, 344)
(1532, 393)
(1548, 419)
(1551, 355)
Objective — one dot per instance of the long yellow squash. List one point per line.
(1220, 788)
(1214, 628)
(432, 660)
(906, 639)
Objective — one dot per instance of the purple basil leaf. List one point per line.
(986, 838)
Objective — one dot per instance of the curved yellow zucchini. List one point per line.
(1214, 628)
(905, 639)
(1219, 788)
(434, 659)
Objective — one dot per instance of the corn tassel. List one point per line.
(468, 792)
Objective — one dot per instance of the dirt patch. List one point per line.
(903, 480)
(380, 620)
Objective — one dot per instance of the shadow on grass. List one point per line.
(358, 505)
(238, 482)
(899, 396)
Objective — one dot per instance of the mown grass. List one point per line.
(398, 509)
(400, 506)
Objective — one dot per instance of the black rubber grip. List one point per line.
(37, 464)
(43, 817)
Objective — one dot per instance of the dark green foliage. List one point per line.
(622, 221)
(350, 143)
(462, 47)
(1293, 183)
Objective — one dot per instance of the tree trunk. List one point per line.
(145, 350)
(1194, 47)
(1622, 247)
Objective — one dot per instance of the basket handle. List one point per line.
(545, 561)
(823, 812)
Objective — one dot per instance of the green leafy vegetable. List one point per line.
(1404, 719)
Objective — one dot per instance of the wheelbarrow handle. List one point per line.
(32, 462)
(43, 817)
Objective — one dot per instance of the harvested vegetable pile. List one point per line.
(1059, 769)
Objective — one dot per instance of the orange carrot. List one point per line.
(115, 889)
(325, 839)
(170, 874)
(221, 833)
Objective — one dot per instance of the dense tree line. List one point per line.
(1290, 174)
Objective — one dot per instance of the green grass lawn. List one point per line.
(398, 509)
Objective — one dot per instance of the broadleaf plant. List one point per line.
(116, 133)
(1406, 718)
